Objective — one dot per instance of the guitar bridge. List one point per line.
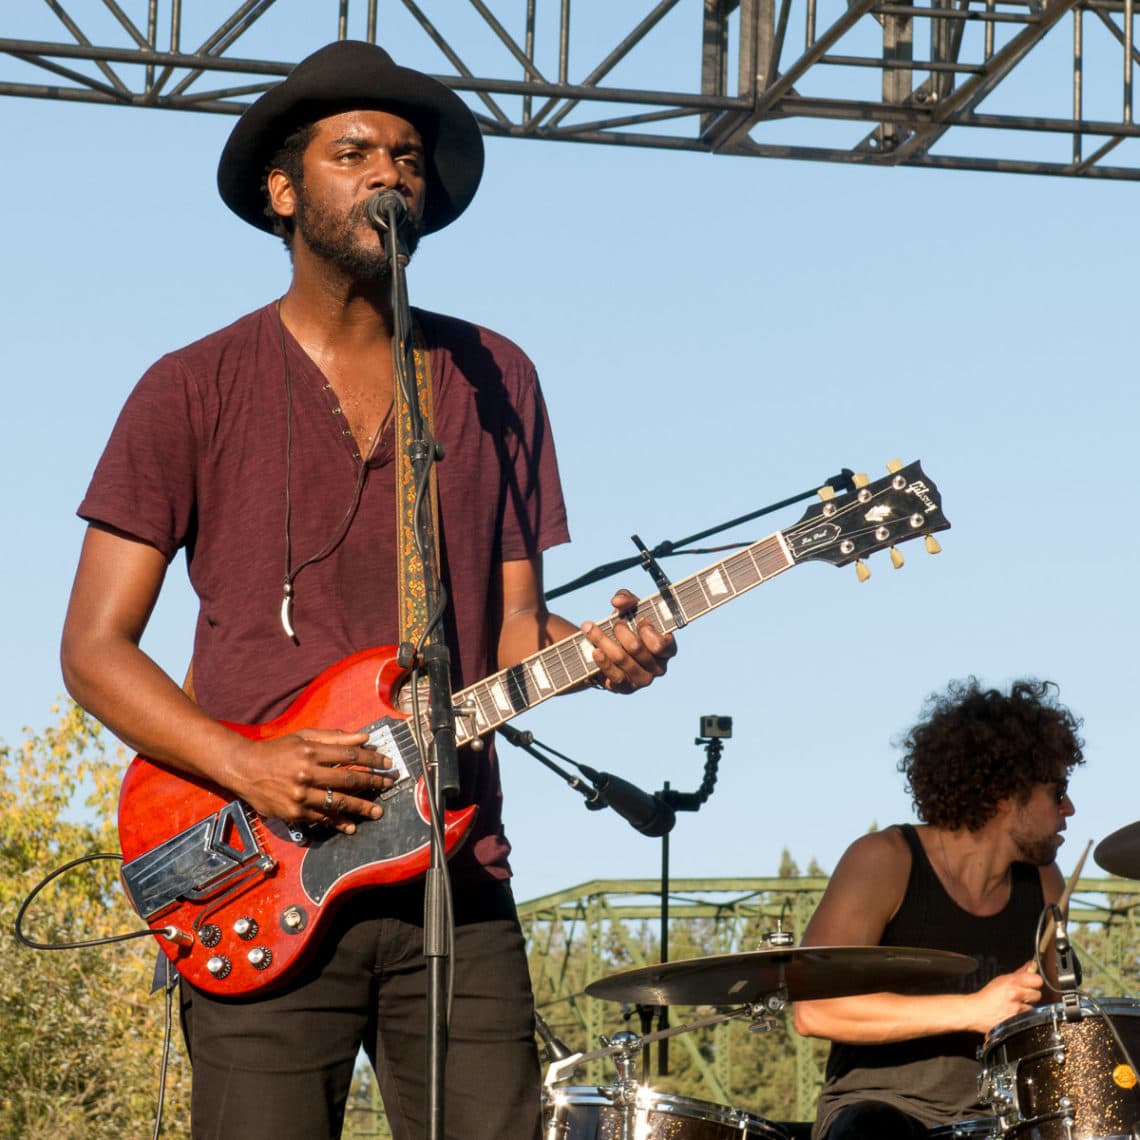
(193, 863)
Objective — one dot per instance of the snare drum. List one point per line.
(590, 1114)
(1052, 1079)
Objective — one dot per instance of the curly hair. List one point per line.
(977, 746)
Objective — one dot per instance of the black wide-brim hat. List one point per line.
(353, 75)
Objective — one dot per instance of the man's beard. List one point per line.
(1036, 850)
(335, 240)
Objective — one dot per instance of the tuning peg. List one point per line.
(897, 559)
(861, 480)
(826, 493)
(894, 466)
(862, 571)
(932, 545)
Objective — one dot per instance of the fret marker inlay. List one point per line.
(499, 694)
(716, 583)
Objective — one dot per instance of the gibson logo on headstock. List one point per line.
(922, 492)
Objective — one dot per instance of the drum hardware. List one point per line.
(626, 1048)
(773, 939)
(973, 1128)
(760, 1019)
(627, 1045)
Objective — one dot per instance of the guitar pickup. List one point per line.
(383, 737)
(191, 863)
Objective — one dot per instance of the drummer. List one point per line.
(988, 773)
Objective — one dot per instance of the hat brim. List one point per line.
(354, 75)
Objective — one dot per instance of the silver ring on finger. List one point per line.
(328, 799)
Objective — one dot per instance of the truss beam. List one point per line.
(763, 78)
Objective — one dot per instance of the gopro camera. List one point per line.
(716, 726)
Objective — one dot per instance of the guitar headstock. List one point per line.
(873, 516)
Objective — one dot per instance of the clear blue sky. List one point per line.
(712, 334)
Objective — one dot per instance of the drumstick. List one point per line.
(1063, 902)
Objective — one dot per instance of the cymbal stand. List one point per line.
(630, 1044)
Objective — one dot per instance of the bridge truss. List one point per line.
(1028, 86)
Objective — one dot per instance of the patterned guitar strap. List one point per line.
(410, 566)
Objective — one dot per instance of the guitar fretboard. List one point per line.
(498, 698)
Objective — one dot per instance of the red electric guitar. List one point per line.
(239, 899)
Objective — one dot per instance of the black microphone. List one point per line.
(1068, 968)
(1060, 932)
(556, 1048)
(386, 208)
(649, 814)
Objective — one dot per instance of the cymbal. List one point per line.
(1119, 854)
(798, 973)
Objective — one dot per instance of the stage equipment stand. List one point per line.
(652, 815)
(387, 212)
(842, 482)
(714, 731)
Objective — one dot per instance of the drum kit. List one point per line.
(1062, 1071)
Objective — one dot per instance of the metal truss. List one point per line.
(1026, 86)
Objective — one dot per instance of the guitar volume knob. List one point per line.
(260, 957)
(210, 935)
(219, 966)
(246, 928)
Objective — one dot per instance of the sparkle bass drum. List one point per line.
(590, 1114)
(1049, 1078)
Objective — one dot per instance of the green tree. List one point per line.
(82, 1037)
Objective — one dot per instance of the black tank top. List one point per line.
(935, 1078)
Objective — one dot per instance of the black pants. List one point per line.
(873, 1120)
(280, 1067)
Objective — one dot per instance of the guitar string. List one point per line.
(691, 586)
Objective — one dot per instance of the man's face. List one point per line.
(1036, 825)
(350, 157)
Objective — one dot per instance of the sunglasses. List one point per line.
(1061, 789)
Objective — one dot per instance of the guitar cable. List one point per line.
(106, 940)
(47, 880)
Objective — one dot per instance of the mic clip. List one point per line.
(653, 568)
(1067, 980)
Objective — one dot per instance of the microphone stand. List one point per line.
(682, 801)
(386, 210)
(672, 799)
